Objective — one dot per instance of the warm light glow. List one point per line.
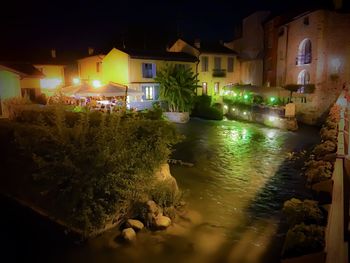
(244, 113)
(233, 109)
(272, 118)
(76, 81)
(245, 96)
(234, 94)
(96, 83)
(225, 107)
(272, 99)
(50, 83)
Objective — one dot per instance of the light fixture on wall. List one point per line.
(96, 83)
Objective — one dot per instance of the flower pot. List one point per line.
(178, 117)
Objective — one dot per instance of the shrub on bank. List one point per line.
(203, 109)
(304, 239)
(307, 211)
(94, 172)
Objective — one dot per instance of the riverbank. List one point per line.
(240, 178)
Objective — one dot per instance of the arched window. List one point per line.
(304, 53)
(303, 79)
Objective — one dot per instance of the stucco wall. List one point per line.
(87, 68)
(9, 88)
(116, 67)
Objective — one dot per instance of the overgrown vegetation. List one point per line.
(177, 87)
(204, 109)
(93, 166)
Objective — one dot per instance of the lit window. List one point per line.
(216, 88)
(149, 92)
(205, 64)
(148, 70)
(304, 53)
(205, 88)
(303, 79)
(230, 64)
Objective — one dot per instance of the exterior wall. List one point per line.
(54, 77)
(329, 68)
(231, 77)
(9, 88)
(87, 68)
(116, 67)
(251, 72)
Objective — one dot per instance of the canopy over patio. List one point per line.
(109, 90)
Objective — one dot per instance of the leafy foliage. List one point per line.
(177, 87)
(304, 239)
(306, 211)
(95, 168)
(204, 109)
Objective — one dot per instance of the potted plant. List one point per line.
(177, 87)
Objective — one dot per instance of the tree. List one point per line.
(177, 87)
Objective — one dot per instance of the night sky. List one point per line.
(146, 24)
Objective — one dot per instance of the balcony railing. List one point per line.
(219, 73)
(303, 59)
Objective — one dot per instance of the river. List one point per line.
(241, 176)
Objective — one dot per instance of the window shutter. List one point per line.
(154, 70)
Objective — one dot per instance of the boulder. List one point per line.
(162, 222)
(134, 224)
(152, 207)
(129, 234)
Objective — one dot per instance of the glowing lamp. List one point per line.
(233, 109)
(245, 96)
(272, 99)
(272, 118)
(234, 94)
(96, 83)
(225, 107)
(244, 113)
(76, 81)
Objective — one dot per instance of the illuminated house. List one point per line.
(311, 50)
(133, 68)
(12, 75)
(217, 65)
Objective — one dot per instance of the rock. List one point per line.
(152, 207)
(163, 175)
(134, 224)
(129, 234)
(162, 222)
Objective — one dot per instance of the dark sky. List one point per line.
(71, 24)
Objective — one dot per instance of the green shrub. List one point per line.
(93, 172)
(304, 239)
(203, 109)
(307, 211)
(165, 195)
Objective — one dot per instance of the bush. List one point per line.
(317, 171)
(304, 239)
(93, 172)
(307, 211)
(329, 134)
(203, 109)
(324, 148)
(165, 195)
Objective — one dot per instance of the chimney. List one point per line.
(53, 53)
(90, 51)
(197, 43)
(338, 4)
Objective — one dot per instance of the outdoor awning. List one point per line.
(108, 90)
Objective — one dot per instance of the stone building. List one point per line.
(312, 50)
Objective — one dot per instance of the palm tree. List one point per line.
(177, 87)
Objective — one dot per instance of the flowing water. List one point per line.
(241, 176)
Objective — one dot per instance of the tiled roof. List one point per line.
(160, 55)
(25, 69)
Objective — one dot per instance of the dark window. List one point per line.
(148, 70)
(217, 62)
(205, 64)
(230, 64)
(98, 66)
